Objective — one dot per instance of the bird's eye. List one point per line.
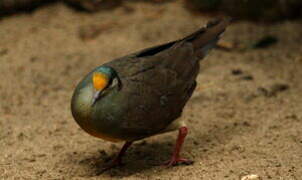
(100, 81)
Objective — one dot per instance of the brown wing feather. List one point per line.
(159, 81)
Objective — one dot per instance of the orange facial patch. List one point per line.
(100, 81)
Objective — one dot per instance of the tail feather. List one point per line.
(203, 40)
(206, 38)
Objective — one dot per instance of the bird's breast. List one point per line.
(83, 113)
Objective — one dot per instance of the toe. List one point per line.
(174, 162)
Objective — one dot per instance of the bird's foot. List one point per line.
(176, 161)
(115, 163)
(118, 160)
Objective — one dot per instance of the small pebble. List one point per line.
(251, 177)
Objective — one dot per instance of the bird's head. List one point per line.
(103, 78)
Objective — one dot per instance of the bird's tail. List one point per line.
(207, 37)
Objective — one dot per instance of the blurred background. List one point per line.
(245, 117)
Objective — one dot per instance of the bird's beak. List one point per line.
(96, 96)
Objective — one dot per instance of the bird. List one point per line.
(143, 94)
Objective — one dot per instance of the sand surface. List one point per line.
(239, 124)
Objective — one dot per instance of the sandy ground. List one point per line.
(239, 123)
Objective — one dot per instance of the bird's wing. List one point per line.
(159, 81)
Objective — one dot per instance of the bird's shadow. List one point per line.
(141, 156)
(147, 155)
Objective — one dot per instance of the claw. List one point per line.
(174, 162)
(114, 164)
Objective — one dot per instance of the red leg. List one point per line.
(118, 160)
(175, 159)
